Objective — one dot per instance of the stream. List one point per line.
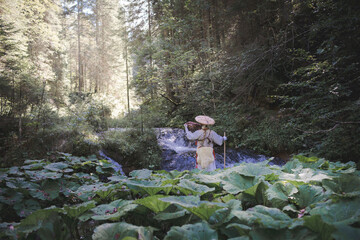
(178, 153)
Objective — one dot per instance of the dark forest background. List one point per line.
(279, 77)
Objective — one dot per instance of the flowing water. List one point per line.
(178, 153)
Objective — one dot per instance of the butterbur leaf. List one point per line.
(8, 230)
(189, 187)
(241, 228)
(304, 159)
(10, 196)
(345, 185)
(49, 190)
(308, 195)
(3, 175)
(342, 212)
(235, 183)
(114, 210)
(208, 179)
(34, 166)
(252, 170)
(283, 234)
(270, 217)
(316, 224)
(150, 187)
(35, 220)
(43, 174)
(21, 184)
(54, 227)
(305, 175)
(278, 194)
(224, 215)
(344, 232)
(202, 209)
(164, 216)
(75, 211)
(153, 203)
(58, 167)
(27, 207)
(122, 230)
(141, 174)
(292, 166)
(199, 231)
(15, 171)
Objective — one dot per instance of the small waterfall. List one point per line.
(179, 153)
(117, 167)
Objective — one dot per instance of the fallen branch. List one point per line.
(319, 131)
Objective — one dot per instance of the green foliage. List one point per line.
(308, 199)
(133, 148)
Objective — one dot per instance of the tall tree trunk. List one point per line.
(96, 88)
(20, 111)
(127, 76)
(79, 10)
(149, 33)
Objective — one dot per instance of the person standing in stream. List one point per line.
(205, 139)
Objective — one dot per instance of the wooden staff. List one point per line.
(224, 150)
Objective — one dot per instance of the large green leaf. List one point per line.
(339, 167)
(10, 196)
(305, 175)
(202, 209)
(292, 166)
(224, 215)
(114, 210)
(153, 203)
(198, 231)
(20, 183)
(141, 174)
(270, 217)
(58, 167)
(283, 234)
(263, 216)
(279, 193)
(86, 192)
(344, 232)
(121, 230)
(48, 190)
(34, 166)
(308, 195)
(252, 170)
(170, 175)
(241, 229)
(15, 171)
(208, 179)
(316, 224)
(189, 187)
(150, 187)
(164, 216)
(27, 207)
(235, 183)
(43, 174)
(346, 185)
(343, 212)
(75, 211)
(36, 220)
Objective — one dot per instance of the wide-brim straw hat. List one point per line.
(205, 120)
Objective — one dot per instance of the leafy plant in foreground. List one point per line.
(306, 198)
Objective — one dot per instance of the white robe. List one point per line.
(199, 136)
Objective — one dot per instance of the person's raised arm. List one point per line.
(192, 135)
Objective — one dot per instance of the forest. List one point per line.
(80, 78)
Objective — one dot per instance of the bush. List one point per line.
(132, 148)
